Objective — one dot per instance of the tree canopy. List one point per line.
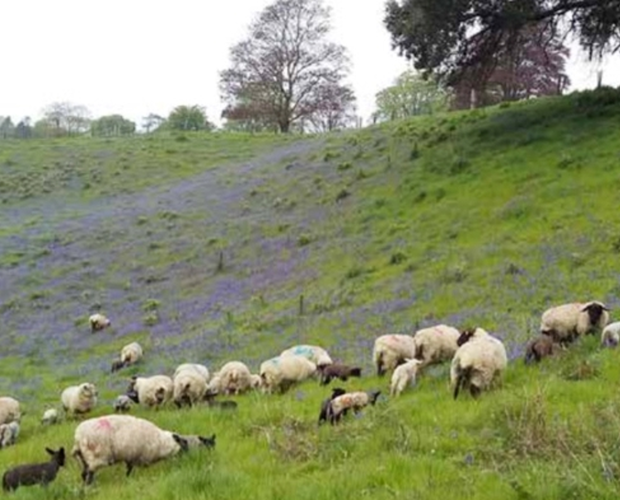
(112, 125)
(456, 36)
(282, 72)
(188, 118)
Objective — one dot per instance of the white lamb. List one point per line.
(436, 344)
(314, 353)
(50, 416)
(281, 372)
(404, 375)
(478, 362)
(9, 410)
(189, 385)
(391, 350)
(611, 335)
(234, 378)
(567, 322)
(355, 401)
(130, 354)
(98, 322)
(103, 441)
(79, 398)
(9, 433)
(152, 391)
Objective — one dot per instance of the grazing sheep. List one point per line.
(50, 416)
(103, 441)
(435, 344)
(151, 391)
(478, 361)
(189, 385)
(611, 335)
(282, 372)
(98, 322)
(199, 369)
(9, 410)
(337, 370)
(336, 391)
(29, 474)
(214, 387)
(122, 404)
(8, 434)
(540, 347)
(404, 375)
(314, 353)
(235, 378)
(255, 381)
(79, 398)
(355, 401)
(391, 350)
(130, 354)
(565, 323)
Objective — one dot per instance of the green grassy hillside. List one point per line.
(209, 248)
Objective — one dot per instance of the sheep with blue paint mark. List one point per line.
(314, 353)
(282, 372)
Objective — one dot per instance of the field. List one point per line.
(213, 247)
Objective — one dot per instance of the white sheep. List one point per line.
(611, 335)
(201, 370)
(79, 398)
(404, 375)
(255, 381)
(355, 401)
(130, 354)
(98, 322)
(103, 441)
(189, 385)
(314, 353)
(567, 322)
(9, 410)
(391, 350)
(281, 372)
(50, 416)
(436, 344)
(9, 433)
(478, 362)
(234, 378)
(151, 391)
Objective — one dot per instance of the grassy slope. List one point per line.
(482, 218)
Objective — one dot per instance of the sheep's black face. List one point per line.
(57, 456)
(209, 442)
(465, 337)
(337, 391)
(595, 311)
(133, 395)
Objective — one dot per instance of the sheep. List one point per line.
(201, 370)
(255, 381)
(611, 335)
(50, 416)
(130, 354)
(316, 354)
(189, 385)
(391, 350)
(98, 322)
(282, 372)
(336, 391)
(111, 439)
(540, 347)
(435, 344)
(9, 433)
(403, 375)
(150, 391)
(122, 404)
(338, 370)
(79, 398)
(478, 361)
(565, 323)
(234, 378)
(29, 474)
(9, 410)
(355, 401)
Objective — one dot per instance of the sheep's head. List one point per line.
(337, 391)
(595, 311)
(88, 390)
(466, 336)
(209, 442)
(133, 395)
(373, 395)
(117, 365)
(57, 456)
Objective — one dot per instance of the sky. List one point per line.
(136, 57)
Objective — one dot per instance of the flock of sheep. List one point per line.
(477, 361)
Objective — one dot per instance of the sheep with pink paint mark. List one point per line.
(391, 350)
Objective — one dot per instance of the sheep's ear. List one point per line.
(50, 451)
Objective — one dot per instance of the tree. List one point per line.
(282, 69)
(6, 128)
(411, 95)
(112, 125)
(152, 121)
(455, 36)
(67, 118)
(334, 108)
(23, 130)
(188, 118)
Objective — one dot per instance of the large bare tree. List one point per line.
(283, 67)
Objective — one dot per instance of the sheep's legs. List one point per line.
(87, 476)
(129, 468)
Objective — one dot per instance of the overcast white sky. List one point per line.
(135, 57)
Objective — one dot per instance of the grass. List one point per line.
(224, 247)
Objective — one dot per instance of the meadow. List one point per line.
(208, 247)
